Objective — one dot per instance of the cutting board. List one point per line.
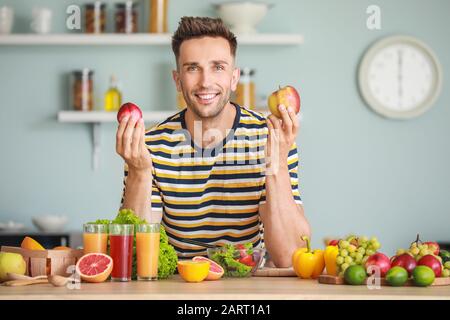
(326, 279)
(275, 272)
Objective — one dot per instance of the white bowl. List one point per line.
(50, 222)
(242, 17)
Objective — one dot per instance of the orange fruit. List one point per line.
(215, 270)
(94, 267)
(31, 244)
(193, 271)
(62, 248)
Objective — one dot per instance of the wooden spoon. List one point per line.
(16, 283)
(58, 281)
(16, 276)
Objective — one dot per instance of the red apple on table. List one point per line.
(129, 109)
(286, 96)
(381, 260)
(432, 262)
(405, 261)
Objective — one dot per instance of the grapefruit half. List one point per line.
(94, 267)
(215, 270)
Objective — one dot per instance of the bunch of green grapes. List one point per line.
(418, 250)
(354, 250)
(446, 270)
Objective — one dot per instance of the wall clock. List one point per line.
(400, 77)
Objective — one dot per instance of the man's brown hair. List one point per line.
(198, 27)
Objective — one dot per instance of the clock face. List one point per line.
(400, 77)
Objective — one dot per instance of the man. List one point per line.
(202, 172)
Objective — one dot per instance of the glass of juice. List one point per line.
(95, 238)
(121, 238)
(147, 251)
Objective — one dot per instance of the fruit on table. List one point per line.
(355, 250)
(432, 262)
(406, 261)
(418, 249)
(308, 264)
(330, 255)
(193, 271)
(381, 260)
(333, 242)
(445, 255)
(129, 109)
(215, 270)
(397, 276)
(423, 276)
(355, 275)
(31, 244)
(11, 263)
(61, 248)
(94, 267)
(286, 96)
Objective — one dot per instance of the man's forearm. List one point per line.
(284, 220)
(138, 192)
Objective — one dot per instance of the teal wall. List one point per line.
(359, 172)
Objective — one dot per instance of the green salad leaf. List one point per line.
(227, 258)
(168, 258)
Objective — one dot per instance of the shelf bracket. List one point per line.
(96, 142)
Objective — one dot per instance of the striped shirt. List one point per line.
(212, 195)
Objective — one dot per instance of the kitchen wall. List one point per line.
(359, 172)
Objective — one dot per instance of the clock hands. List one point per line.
(400, 77)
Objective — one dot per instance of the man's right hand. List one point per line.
(130, 145)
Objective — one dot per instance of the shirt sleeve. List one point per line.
(156, 200)
(292, 162)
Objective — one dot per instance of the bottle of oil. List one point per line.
(113, 97)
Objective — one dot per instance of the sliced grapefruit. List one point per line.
(215, 270)
(94, 267)
(31, 244)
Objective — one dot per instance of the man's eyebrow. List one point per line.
(190, 64)
(219, 62)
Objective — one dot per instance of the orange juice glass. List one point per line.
(147, 251)
(95, 238)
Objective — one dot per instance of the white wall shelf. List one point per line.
(136, 39)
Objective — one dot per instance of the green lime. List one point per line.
(423, 276)
(355, 275)
(397, 276)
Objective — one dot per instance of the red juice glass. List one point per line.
(121, 238)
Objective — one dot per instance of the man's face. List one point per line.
(206, 75)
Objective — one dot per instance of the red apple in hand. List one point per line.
(287, 96)
(129, 109)
(381, 260)
(432, 262)
(405, 261)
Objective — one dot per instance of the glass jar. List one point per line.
(82, 90)
(95, 17)
(126, 17)
(158, 16)
(245, 91)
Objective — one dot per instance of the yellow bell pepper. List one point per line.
(308, 264)
(331, 252)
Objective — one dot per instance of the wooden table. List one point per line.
(256, 288)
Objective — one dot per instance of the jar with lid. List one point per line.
(126, 17)
(245, 91)
(82, 90)
(158, 16)
(95, 17)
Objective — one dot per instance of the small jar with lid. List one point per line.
(95, 17)
(82, 90)
(126, 17)
(245, 91)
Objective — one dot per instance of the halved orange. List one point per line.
(31, 244)
(193, 271)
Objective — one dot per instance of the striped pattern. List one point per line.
(212, 195)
